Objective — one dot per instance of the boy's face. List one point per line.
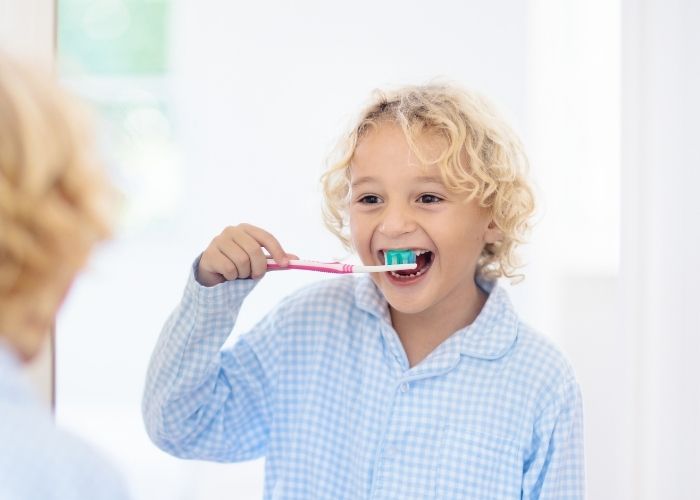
(397, 203)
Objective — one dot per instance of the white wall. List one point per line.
(574, 143)
(27, 30)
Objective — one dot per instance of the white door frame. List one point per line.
(28, 32)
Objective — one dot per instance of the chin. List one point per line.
(404, 305)
(406, 310)
(26, 349)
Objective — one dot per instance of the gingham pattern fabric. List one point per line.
(37, 461)
(322, 388)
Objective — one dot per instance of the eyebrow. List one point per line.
(426, 179)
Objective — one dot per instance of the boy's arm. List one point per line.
(200, 401)
(555, 468)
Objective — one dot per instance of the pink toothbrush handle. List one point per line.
(312, 265)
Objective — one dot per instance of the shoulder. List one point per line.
(541, 352)
(546, 367)
(69, 467)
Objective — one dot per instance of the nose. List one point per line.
(396, 221)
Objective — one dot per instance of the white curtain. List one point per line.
(660, 244)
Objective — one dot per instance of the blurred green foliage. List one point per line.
(113, 37)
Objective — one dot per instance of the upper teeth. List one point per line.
(417, 252)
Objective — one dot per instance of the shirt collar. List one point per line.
(495, 329)
(490, 336)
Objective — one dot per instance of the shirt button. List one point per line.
(404, 387)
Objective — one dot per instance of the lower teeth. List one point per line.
(407, 276)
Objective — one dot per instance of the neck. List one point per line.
(422, 332)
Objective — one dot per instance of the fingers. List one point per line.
(237, 253)
(215, 267)
(268, 242)
(251, 256)
(226, 266)
(235, 259)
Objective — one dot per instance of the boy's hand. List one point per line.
(237, 254)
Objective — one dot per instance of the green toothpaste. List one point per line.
(399, 257)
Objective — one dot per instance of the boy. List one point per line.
(415, 384)
(51, 199)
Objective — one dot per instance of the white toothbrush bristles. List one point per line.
(383, 269)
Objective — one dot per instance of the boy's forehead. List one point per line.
(389, 143)
(385, 154)
(424, 174)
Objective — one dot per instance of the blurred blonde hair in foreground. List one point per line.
(55, 202)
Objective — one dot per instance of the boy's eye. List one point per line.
(369, 199)
(429, 198)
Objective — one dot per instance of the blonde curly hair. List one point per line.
(483, 159)
(55, 202)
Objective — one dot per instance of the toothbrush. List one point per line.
(396, 260)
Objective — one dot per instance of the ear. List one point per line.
(493, 233)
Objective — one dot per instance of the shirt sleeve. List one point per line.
(40, 462)
(555, 468)
(201, 400)
(68, 472)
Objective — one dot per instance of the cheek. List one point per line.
(358, 232)
(460, 243)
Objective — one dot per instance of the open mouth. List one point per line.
(424, 259)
